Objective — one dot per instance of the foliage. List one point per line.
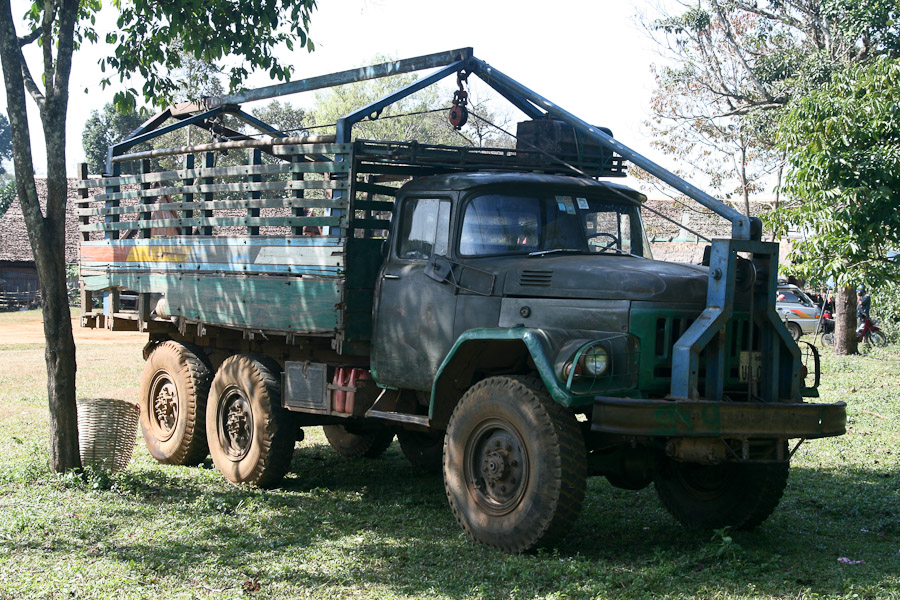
(428, 125)
(106, 127)
(736, 64)
(284, 117)
(423, 116)
(843, 143)
(886, 308)
(380, 529)
(208, 30)
(5, 142)
(7, 193)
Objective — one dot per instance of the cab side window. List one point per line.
(424, 228)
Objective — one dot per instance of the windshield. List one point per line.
(537, 224)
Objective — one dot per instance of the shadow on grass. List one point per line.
(340, 523)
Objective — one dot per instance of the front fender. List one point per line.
(457, 370)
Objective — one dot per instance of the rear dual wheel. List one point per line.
(174, 389)
(251, 436)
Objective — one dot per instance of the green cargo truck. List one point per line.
(497, 310)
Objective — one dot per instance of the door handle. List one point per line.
(388, 276)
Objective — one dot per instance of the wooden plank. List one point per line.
(311, 149)
(264, 202)
(334, 242)
(300, 305)
(209, 161)
(320, 166)
(254, 180)
(236, 253)
(242, 255)
(188, 197)
(218, 222)
(317, 184)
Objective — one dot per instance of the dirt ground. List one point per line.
(32, 332)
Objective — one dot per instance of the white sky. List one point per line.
(588, 56)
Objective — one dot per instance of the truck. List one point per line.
(498, 310)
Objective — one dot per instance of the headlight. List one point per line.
(595, 361)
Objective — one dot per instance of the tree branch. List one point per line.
(31, 37)
(48, 17)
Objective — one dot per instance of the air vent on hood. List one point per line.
(536, 278)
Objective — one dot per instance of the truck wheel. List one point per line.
(713, 496)
(251, 436)
(514, 464)
(423, 449)
(794, 330)
(356, 441)
(174, 388)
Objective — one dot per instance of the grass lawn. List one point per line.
(341, 528)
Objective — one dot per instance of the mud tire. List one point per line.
(714, 496)
(514, 464)
(174, 389)
(251, 436)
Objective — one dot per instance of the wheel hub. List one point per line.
(165, 406)
(498, 468)
(236, 427)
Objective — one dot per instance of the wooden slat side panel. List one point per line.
(299, 305)
(220, 222)
(242, 170)
(262, 202)
(311, 184)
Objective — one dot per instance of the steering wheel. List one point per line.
(613, 241)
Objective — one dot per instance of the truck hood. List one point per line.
(602, 277)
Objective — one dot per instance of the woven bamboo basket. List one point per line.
(106, 432)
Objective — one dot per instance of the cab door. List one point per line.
(414, 313)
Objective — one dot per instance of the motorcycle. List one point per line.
(868, 332)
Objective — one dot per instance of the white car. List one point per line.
(799, 313)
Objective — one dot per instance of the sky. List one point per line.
(590, 57)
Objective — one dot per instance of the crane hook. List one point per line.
(459, 114)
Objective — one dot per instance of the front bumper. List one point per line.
(677, 418)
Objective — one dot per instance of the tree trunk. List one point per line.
(845, 321)
(46, 234)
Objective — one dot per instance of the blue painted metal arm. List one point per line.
(396, 67)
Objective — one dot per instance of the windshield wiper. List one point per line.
(554, 250)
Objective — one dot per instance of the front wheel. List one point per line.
(714, 496)
(876, 338)
(251, 436)
(514, 464)
(794, 330)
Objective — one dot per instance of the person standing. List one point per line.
(863, 304)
